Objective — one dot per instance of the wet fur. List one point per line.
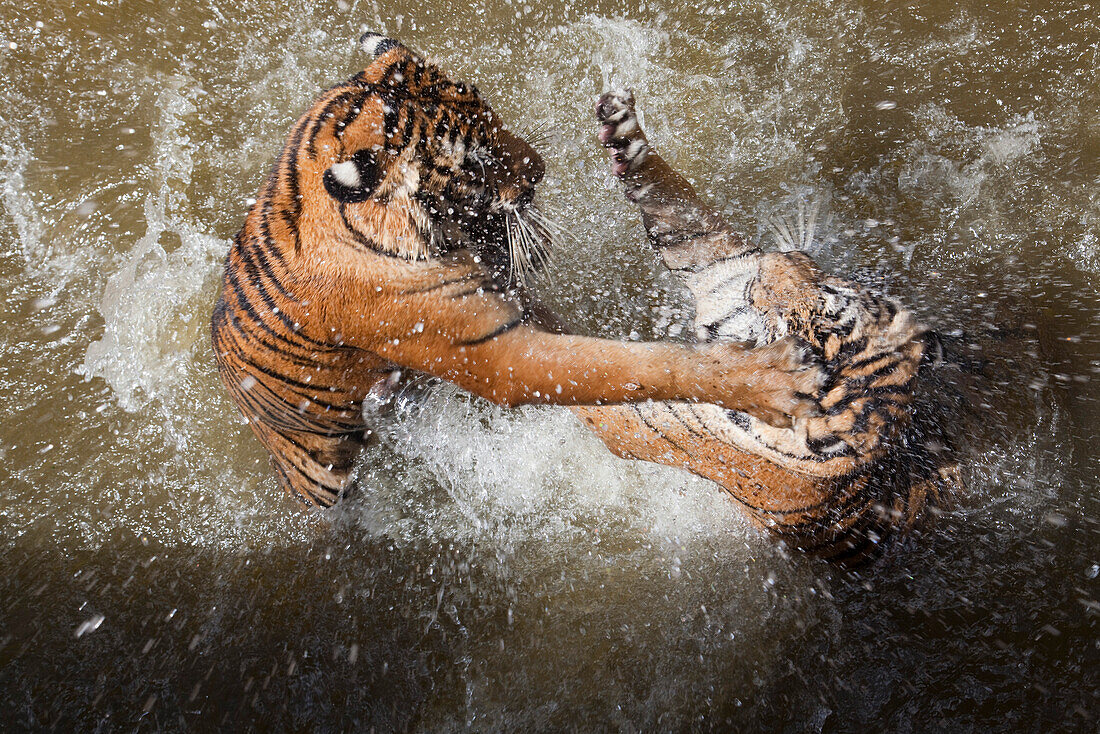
(839, 484)
(380, 244)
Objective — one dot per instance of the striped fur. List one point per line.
(384, 240)
(836, 484)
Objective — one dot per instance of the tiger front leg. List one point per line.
(688, 233)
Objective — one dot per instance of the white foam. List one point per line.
(535, 472)
(150, 306)
(17, 202)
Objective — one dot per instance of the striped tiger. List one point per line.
(393, 234)
(837, 484)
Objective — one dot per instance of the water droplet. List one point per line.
(1056, 519)
(89, 625)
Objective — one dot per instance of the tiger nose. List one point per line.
(521, 158)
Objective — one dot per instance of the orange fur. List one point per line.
(371, 249)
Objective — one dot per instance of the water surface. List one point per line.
(500, 570)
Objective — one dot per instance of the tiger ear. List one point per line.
(374, 44)
(354, 179)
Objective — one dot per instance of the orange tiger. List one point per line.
(385, 239)
(836, 484)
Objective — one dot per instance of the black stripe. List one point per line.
(308, 360)
(410, 121)
(502, 329)
(314, 483)
(328, 109)
(739, 419)
(879, 391)
(440, 130)
(278, 411)
(272, 307)
(291, 217)
(259, 247)
(884, 370)
(824, 446)
(370, 244)
(417, 72)
(311, 388)
(715, 327)
(289, 459)
(355, 108)
(254, 317)
(268, 408)
(468, 137)
(674, 238)
(650, 426)
(834, 512)
(722, 284)
(679, 419)
(859, 425)
(277, 170)
(867, 361)
(849, 349)
(390, 110)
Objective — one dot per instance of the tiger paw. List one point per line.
(777, 383)
(621, 132)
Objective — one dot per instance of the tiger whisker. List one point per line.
(547, 223)
(537, 134)
(531, 240)
(548, 236)
(811, 224)
(797, 231)
(550, 233)
(781, 230)
(510, 238)
(800, 224)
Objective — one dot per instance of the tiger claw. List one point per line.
(614, 105)
(797, 376)
(620, 131)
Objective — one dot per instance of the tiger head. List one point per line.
(403, 160)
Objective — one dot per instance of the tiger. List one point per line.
(392, 237)
(840, 484)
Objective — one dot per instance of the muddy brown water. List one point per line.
(500, 570)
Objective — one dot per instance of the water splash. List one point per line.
(151, 307)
